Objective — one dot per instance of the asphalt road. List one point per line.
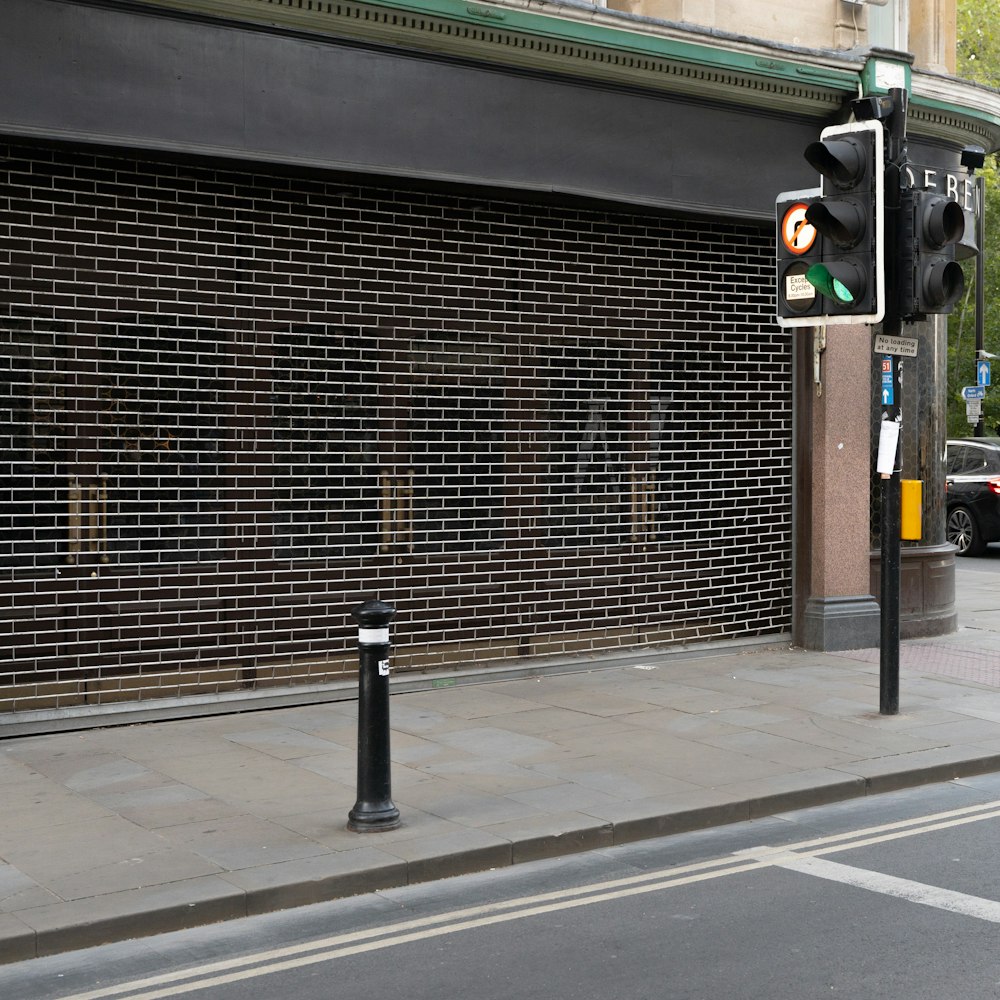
(893, 896)
(988, 562)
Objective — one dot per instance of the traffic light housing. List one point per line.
(932, 279)
(850, 276)
(799, 247)
(831, 240)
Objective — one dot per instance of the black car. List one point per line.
(973, 483)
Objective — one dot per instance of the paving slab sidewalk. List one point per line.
(113, 833)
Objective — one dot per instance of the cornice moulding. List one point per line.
(585, 41)
(566, 38)
(955, 111)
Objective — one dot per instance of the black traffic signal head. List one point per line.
(849, 275)
(798, 247)
(943, 220)
(844, 161)
(830, 240)
(932, 279)
(843, 282)
(840, 219)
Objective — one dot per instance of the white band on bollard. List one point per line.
(373, 636)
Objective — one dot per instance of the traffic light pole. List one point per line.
(979, 430)
(889, 520)
(869, 246)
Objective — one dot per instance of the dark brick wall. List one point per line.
(234, 404)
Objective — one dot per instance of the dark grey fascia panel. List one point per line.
(140, 79)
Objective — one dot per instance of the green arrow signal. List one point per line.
(819, 277)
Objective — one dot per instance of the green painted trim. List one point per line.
(879, 63)
(793, 80)
(675, 50)
(622, 39)
(955, 110)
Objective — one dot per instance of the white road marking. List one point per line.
(468, 918)
(890, 885)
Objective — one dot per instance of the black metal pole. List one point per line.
(888, 702)
(374, 809)
(889, 521)
(979, 430)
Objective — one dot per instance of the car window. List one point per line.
(957, 456)
(976, 461)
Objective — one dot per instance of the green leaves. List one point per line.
(978, 60)
(978, 51)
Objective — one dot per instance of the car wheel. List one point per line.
(963, 532)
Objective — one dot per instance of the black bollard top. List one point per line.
(374, 614)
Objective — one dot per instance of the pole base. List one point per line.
(368, 818)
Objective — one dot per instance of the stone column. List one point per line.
(932, 34)
(835, 606)
(927, 574)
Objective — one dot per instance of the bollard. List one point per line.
(374, 809)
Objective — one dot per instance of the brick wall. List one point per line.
(235, 404)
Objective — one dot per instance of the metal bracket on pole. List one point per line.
(819, 346)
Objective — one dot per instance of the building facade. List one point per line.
(466, 307)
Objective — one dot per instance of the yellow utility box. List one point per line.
(910, 501)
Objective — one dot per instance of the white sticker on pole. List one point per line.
(373, 636)
(383, 668)
(888, 441)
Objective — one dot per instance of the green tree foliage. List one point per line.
(978, 60)
(978, 54)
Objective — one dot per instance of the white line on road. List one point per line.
(890, 885)
(371, 939)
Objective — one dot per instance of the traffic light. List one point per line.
(850, 275)
(799, 247)
(932, 280)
